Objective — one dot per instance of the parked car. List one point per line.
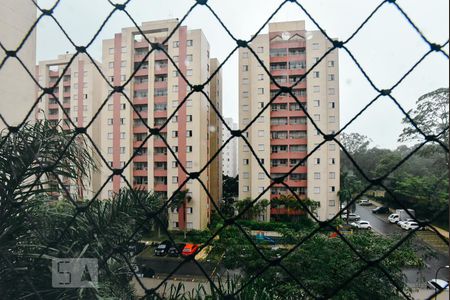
(351, 217)
(361, 225)
(400, 223)
(176, 250)
(437, 284)
(411, 225)
(394, 218)
(163, 248)
(380, 210)
(189, 249)
(365, 202)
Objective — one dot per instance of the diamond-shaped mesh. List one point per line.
(86, 211)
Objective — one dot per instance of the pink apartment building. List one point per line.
(156, 90)
(282, 136)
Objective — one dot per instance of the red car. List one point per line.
(189, 249)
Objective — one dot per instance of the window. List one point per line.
(260, 133)
(189, 164)
(122, 150)
(245, 175)
(245, 68)
(332, 161)
(175, 58)
(174, 88)
(245, 81)
(331, 104)
(110, 135)
(245, 188)
(331, 147)
(260, 147)
(188, 118)
(260, 189)
(189, 58)
(111, 50)
(261, 119)
(316, 175)
(331, 63)
(175, 73)
(244, 54)
(174, 179)
(331, 91)
(189, 72)
(189, 102)
(260, 77)
(245, 94)
(332, 189)
(316, 88)
(260, 91)
(332, 175)
(174, 164)
(174, 224)
(176, 44)
(174, 133)
(260, 104)
(317, 161)
(110, 150)
(175, 119)
(331, 119)
(244, 161)
(316, 74)
(122, 135)
(175, 149)
(110, 107)
(189, 43)
(111, 64)
(189, 225)
(244, 107)
(316, 190)
(189, 210)
(188, 148)
(174, 103)
(188, 133)
(315, 46)
(260, 50)
(110, 121)
(316, 117)
(330, 77)
(316, 103)
(331, 203)
(245, 148)
(261, 175)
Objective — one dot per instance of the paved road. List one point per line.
(381, 225)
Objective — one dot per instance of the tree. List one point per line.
(230, 186)
(254, 211)
(430, 115)
(354, 142)
(179, 202)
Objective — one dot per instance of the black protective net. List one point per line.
(50, 166)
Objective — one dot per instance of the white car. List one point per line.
(400, 223)
(437, 284)
(351, 217)
(364, 202)
(361, 225)
(393, 218)
(410, 225)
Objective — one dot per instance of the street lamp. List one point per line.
(435, 277)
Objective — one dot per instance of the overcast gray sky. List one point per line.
(386, 47)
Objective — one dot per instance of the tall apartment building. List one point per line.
(156, 90)
(282, 136)
(229, 153)
(79, 97)
(17, 89)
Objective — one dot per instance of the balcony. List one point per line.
(140, 158)
(160, 157)
(141, 86)
(143, 114)
(293, 183)
(158, 143)
(140, 101)
(143, 187)
(160, 114)
(302, 127)
(142, 72)
(285, 210)
(160, 187)
(160, 172)
(161, 70)
(160, 84)
(287, 113)
(288, 141)
(140, 172)
(286, 169)
(140, 129)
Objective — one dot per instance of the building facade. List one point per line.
(282, 136)
(78, 98)
(17, 89)
(161, 98)
(229, 153)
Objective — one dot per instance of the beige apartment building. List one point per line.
(282, 136)
(78, 97)
(156, 91)
(229, 152)
(17, 89)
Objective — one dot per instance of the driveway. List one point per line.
(415, 278)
